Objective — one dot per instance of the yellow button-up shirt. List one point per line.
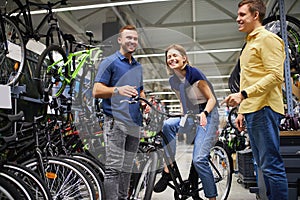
(262, 68)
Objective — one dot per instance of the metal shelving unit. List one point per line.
(287, 71)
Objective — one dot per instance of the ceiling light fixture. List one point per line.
(101, 5)
(192, 52)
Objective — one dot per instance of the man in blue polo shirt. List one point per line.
(120, 77)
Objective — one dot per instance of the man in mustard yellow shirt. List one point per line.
(260, 98)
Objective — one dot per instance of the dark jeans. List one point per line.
(262, 127)
(121, 144)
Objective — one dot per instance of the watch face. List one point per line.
(116, 91)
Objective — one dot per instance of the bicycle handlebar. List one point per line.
(46, 6)
(137, 99)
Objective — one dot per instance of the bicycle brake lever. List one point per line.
(128, 101)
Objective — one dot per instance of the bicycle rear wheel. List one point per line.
(12, 52)
(47, 75)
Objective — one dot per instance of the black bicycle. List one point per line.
(18, 34)
(12, 49)
(22, 17)
(148, 163)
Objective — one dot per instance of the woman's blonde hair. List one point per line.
(182, 52)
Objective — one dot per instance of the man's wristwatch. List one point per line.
(244, 93)
(116, 91)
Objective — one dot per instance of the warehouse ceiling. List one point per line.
(206, 28)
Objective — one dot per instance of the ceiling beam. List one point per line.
(189, 24)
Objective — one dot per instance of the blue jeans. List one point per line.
(204, 140)
(263, 130)
(121, 144)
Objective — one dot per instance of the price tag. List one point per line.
(183, 120)
(5, 100)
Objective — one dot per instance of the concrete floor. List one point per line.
(184, 155)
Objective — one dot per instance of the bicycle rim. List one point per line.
(7, 191)
(32, 180)
(64, 180)
(12, 59)
(47, 77)
(272, 24)
(222, 171)
(18, 184)
(143, 189)
(92, 175)
(94, 163)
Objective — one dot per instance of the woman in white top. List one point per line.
(196, 96)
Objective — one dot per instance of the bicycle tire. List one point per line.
(44, 76)
(17, 183)
(83, 96)
(91, 173)
(64, 179)
(221, 160)
(94, 163)
(12, 60)
(32, 180)
(8, 191)
(272, 24)
(232, 116)
(144, 188)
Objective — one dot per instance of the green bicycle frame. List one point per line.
(81, 59)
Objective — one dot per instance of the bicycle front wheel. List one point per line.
(31, 179)
(52, 58)
(272, 24)
(221, 168)
(12, 52)
(8, 191)
(144, 187)
(64, 180)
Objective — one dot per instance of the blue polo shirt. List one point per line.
(116, 71)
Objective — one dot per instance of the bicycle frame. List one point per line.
(25, 11)
(183, 189)
(69, 77)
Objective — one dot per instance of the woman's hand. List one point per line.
(203, 119)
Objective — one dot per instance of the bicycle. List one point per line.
(12, 50)
(29, 180)
(22, 17)
(183, 189)
(55, 68)
(17, 32)
(272, 24)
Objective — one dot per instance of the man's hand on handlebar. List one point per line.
(128, 91)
